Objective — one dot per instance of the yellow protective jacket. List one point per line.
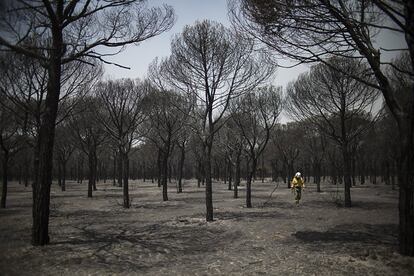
(298, 182)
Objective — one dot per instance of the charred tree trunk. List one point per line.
(406, 191)
(347, 175)
(263, 169)
(159, 166)
(92, 170)
(164, 175)
(43, 174)
(5, 179)
(318, 176)
(114, 170)
(209, 185)
(199, 174)
(237, 174)
(125, 186)
(181, 169)
(252, 169)
(120, 166)
(59, 176)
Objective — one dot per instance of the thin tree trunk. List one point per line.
(347, 176)
(237, 175)
(59, 176)
(159, 166)
(125, 187)
(263, 169)
(114, 171)
(209, 184)
(92, 171)
(64, 176)
(120, 167)
(229, 174)
(249, 182)
(181, 169)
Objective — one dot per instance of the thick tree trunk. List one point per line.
(406, 192)
(43, 175)
(5, 179)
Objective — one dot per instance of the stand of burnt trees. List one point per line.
(207, 112)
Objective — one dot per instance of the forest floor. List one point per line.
(96, 236)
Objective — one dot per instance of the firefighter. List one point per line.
(297, 185)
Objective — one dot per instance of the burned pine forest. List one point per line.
(275, 137)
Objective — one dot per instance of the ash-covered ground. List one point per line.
(97, 236)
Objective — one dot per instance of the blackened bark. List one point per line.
(347, 175)
(181, 169)
(318, 176)
(63, 176)
(237, 174)
(5, 179)
(120, 167)
(209, 184)
(115, 166)
(263, 169)
(252, 169)
(92, 171)
(199, 174)
(406, 192)
(125, 187)
(159, 166)
(164, 176)
(43, 175)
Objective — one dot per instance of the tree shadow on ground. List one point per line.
(165, 243)
(241, 216)
(363, 234)
(369, 205)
